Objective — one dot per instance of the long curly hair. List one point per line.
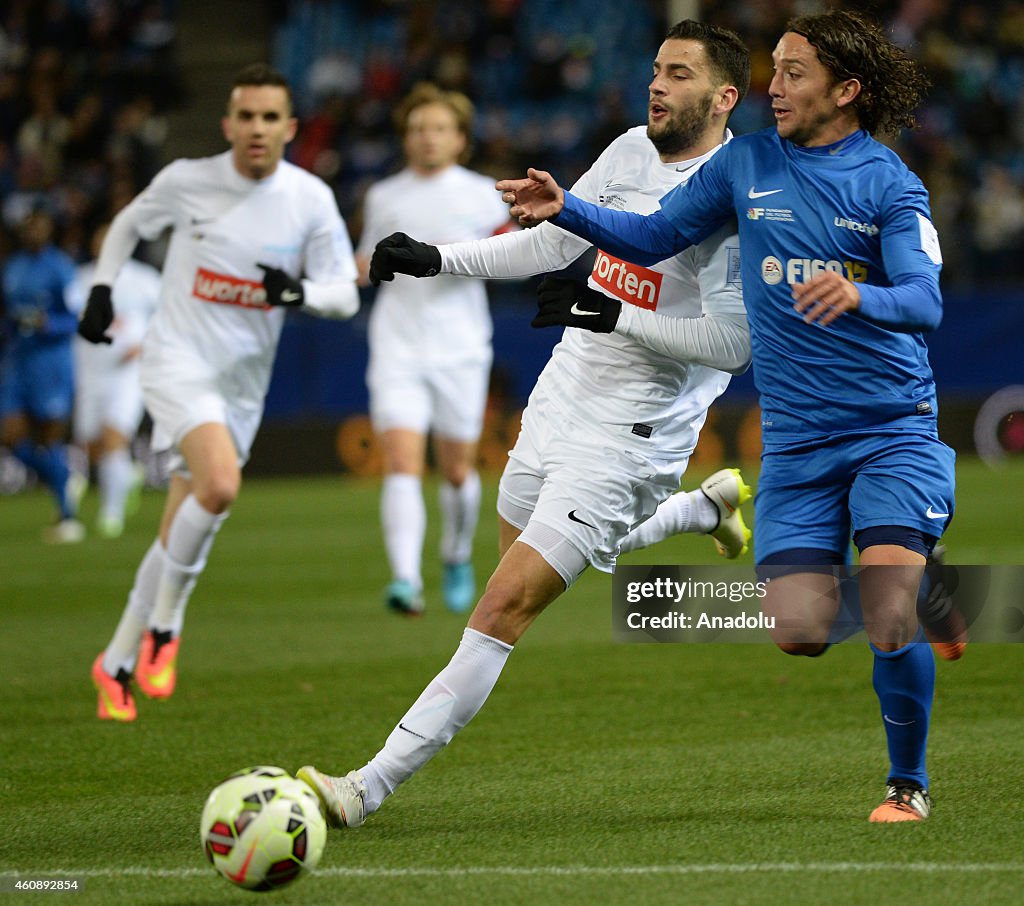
(852, 46)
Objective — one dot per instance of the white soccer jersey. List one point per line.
(644, 397)
(445, 320)
(213, 322)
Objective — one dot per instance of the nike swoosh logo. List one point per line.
(931, 514)
(112, 706)
(575, 518)
(289, 295)
(239, 878)
(413, 732)
(163, 677)
(897, 723)
(753, 194)
(726, 504)
(576, 310)
(196, 221)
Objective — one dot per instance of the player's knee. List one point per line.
(504, 612)
(456, 475)
(801, 649)
(217, 493)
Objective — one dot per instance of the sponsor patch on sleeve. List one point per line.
(733, 276)
(628, 282)
(929, 239)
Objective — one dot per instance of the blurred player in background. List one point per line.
(108, 395)
(613, 419)
(841, 269)
(36, 369)
(430, 346)
(247, 226)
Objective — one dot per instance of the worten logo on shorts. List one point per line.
(225, 290)
(628, 282)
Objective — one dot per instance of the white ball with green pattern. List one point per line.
(262, 829)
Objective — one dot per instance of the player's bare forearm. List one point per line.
(825, 297)
(534, 199)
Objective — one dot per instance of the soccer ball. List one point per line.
(262, 829)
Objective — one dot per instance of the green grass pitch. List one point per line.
(596, 773)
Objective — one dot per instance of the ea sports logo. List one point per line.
(771, 270)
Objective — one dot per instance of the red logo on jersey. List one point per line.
(212, 287)
(628, 282)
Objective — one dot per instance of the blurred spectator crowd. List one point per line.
(554, 82)
(85, 86)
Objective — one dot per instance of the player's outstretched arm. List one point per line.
(401, 254)
(534, 199)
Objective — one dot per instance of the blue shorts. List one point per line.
(817, 496)
(38, 382)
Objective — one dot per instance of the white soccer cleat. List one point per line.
(341, 798)
(904, 801)
(727, 490)
(66, 531)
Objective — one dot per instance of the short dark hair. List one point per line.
(851, 46)
(259, 74)
(728, 55)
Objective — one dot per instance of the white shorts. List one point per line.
(449, 401)
(565, 481)
(178, 404)
(107, 398)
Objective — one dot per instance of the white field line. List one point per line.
(713, 868)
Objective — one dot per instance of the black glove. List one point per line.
(281, 289)
(401, 254)
(573, 304)
(98, 315)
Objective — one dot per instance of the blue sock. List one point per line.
(25, 452)
(53, 471)
(904, 682)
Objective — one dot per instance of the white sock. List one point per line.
(403, 516)
(114, 471)
(460, 508)
(124, 646)
(447, 704)
(188, 544)
(687, 511)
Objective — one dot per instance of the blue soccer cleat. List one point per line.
(459, 586)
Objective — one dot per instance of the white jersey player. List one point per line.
(614, 415)
(430, 346)
(108, 393)
(246, 225)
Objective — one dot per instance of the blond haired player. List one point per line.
(430, 346)
(252, 234)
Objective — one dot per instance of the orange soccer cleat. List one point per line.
(157, 671)
(115, 694)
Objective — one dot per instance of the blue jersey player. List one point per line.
(840, 268)
(36, 372)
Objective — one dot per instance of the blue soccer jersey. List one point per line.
(852, 207)
(37, 373)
